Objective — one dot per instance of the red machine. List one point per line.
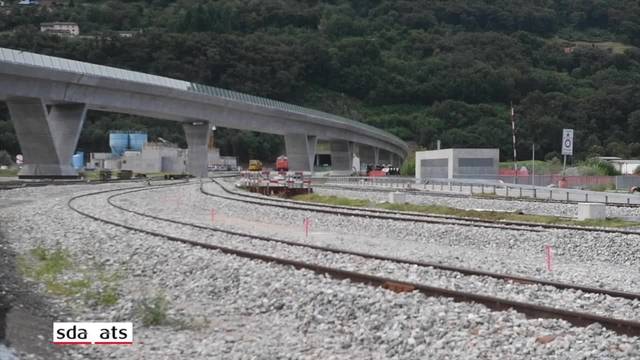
(282, 163)
(377, 171)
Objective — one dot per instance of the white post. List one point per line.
(564, 166)
(533, 165)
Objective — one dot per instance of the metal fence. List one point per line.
(490, 189)
(621, 182)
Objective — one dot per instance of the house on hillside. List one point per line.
(60, 28)
(50, 2)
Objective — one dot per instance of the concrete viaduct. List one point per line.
(48, 98)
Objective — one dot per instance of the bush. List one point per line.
(5, 158)
(154, 310)
(552, 156)
(409, 166)
(596, 167)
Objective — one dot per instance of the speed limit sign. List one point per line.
(567, 142)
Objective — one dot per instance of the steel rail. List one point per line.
(466, 271)
(620, 326)
(507, 224)
(366, 213)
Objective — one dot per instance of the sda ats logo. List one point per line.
(88, 333)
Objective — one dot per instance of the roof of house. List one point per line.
(58, 23)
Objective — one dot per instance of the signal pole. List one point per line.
(513, 134)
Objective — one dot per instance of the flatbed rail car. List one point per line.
(276, 183)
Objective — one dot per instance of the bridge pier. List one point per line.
(341, 155)
(384, 157)
(301, 151)
(47, 137)
(367, 154)
(396, 160)
(197, 134)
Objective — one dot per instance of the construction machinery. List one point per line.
(282, 163)
(255, 165)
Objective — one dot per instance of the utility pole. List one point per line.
(533, 164)
(513, 134)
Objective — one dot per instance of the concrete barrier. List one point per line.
(591, 211)
(397, 198)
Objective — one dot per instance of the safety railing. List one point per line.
(488, 189)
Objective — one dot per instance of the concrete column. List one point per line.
(384, 156)
(396, 160)
(66, 122)
(367, 154)
(301, 151)
(197, 134)
(376, 156)
(47, 138)
(341, 155)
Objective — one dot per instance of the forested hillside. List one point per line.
(424, 70)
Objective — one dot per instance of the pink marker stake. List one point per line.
(213, 215)
(548, 251)
(307, 225)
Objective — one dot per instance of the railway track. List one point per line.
(392, 215)
(9, 185)
(621, 326)
(363, 212)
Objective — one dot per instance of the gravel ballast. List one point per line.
(225, 307)
(465, 201)
(595, 259)
(574, 300)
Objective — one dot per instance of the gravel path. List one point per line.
(226, 307)
(462, 202)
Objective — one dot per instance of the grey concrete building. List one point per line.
(48, 98)
(155, 158)
(457, 163)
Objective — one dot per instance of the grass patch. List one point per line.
(542, 167)
(69, 288)
(506, 216)
(105, 296)
(476, 214)
(9, 172)
(45, 266)
(90, 175)
(153, 311)
(331, 200)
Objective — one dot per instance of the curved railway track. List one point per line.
(413, 216)
(620, 326)
(363, 212)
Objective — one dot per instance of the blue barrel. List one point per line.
(78, 160)
(119, 142)
(137, 141)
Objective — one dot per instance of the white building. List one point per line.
(625, 167)
(457, 163)
(60, 28)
